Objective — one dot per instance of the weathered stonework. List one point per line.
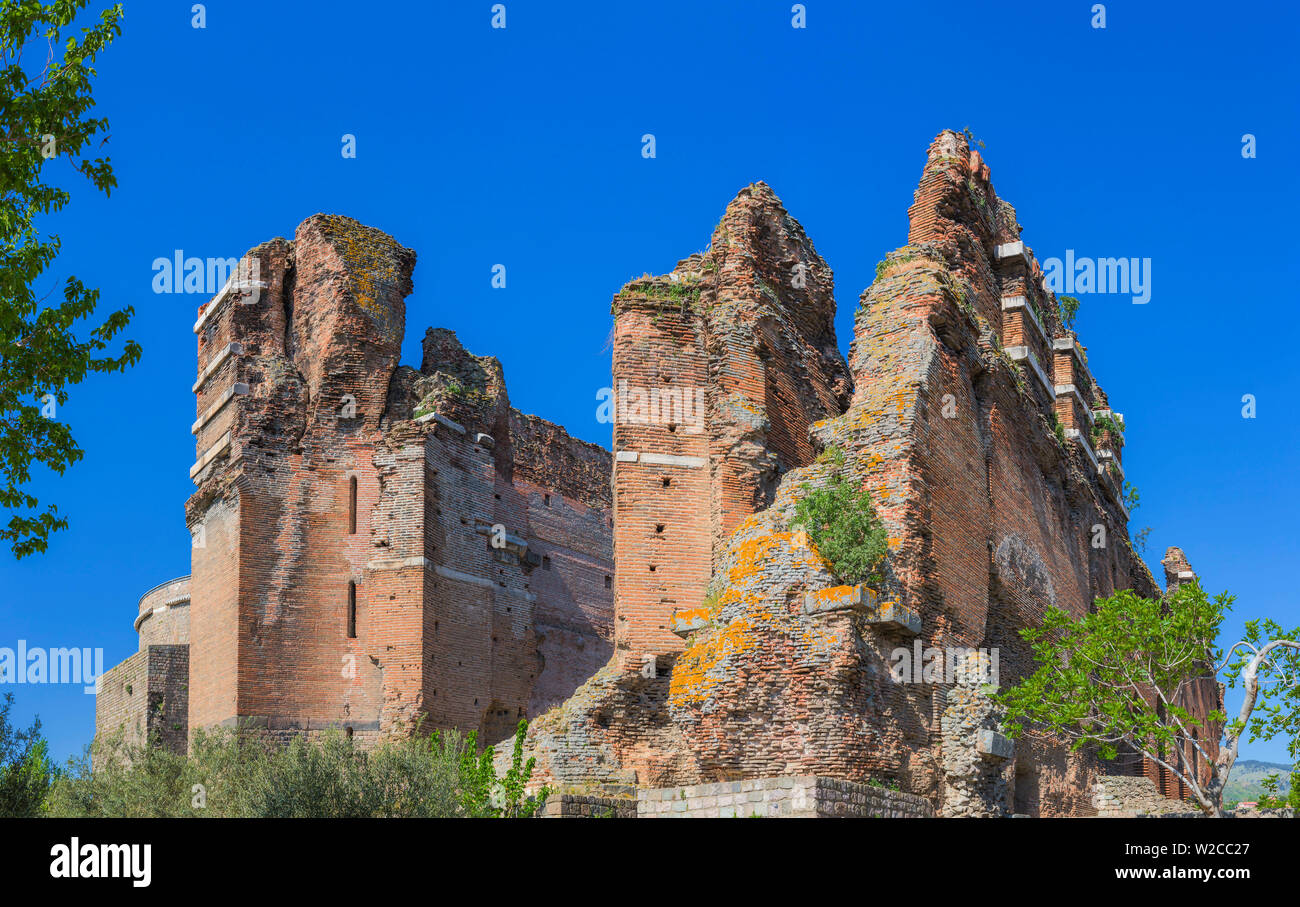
(970, 422)
(781, 798)
(975, 753)
(380, 546)
(583, 806)
(744, 333)
(147, 695)
(1122, 797)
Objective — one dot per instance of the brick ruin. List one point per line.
(379, 547)
(970, 414)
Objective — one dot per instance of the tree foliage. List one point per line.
(1121, 677)
(45, 112)
(1272, 799)
(25, 767)
(484, 795)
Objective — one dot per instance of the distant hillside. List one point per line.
(1247, 776)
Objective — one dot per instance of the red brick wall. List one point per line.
(662, 528)
(449, 631)
(748, 327)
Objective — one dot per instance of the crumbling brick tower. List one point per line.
(375, 546)
(977, 427)
(720, 367)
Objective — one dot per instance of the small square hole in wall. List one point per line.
(652, 568)
(609, 582)
(667, 481)
(546, 499)
(659, 528)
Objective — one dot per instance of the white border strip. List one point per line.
(234, 390)
(211, 454)
(232, 349)
(1021, 353)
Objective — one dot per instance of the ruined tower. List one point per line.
(720, 367)
(377, 546)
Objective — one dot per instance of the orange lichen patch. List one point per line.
(691, 614)
(752, 554)
(834, 592)
(894, 542)
(691, 680)
(370, 265)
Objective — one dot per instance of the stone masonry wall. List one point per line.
(1126, 797)
(148, 693)
(784, 798)
(164, 614)
(146, 696)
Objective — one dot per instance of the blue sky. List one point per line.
(522, 146)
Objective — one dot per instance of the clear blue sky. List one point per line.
(522, 146)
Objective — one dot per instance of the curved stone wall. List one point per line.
(164, 617)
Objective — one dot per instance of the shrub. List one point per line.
(242, 773)
(843, 525)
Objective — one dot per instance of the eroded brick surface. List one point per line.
(479, 543)
(969, 422)
(473, 539)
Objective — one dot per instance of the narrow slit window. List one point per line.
(352, 506)
(352, 610)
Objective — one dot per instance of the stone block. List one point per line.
(839, 598)
(994, 745)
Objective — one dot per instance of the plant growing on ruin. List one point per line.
(1068, 308)
(484, 795)
(1140, 540)
(1058, 429)
(843, 525)
(832, 455)
(971, 141)
(1106, 424)
(1131, 496)
(45, 111)
(1122, 676)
